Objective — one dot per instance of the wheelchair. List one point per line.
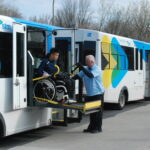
(53, 87)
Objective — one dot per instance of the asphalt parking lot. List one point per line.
(128, 129)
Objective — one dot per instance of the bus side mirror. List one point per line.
(54, 32)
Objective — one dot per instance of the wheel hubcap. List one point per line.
(122, 100)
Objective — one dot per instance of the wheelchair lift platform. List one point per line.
(85, 108)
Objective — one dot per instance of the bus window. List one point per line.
(36, 45)
(121, 62)
(129, 51)
(141, 59)
(147, 53)
(5, 55)
(89, 48)
(105, 55)
(105, 61)
(136, 58)
(114, 62)
(64, 46)
(105, 47)
(20, 54)
(90, 45)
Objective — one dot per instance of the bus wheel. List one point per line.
(1, 130)
(122, 101)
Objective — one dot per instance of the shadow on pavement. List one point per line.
(30, 136)
(23, 138)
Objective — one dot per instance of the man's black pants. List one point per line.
(96, 118)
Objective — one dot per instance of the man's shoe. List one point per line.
(95, 131)
(86, 130)
(100, 130)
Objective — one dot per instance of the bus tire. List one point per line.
(122, 100)
(2, 128)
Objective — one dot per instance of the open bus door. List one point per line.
(64, 40)
(46, 92)
(19, 66)
(74, 45)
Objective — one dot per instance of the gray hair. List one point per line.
(90, 58)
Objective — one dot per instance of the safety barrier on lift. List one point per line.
(54, 91)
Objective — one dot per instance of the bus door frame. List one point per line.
(19, 80)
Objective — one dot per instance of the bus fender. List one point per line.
(125, 90)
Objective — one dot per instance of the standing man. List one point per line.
(91, 75)
(47, 66)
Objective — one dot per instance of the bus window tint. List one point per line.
(5, 55)
(130, 56)
(114, 62)
(89, 48)
(122, 62)
(105, 61)
(20, 54)
(105, 55)
(64, 47)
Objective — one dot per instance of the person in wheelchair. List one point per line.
(48, 65)
(54, 87)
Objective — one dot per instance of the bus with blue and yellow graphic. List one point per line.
(124, 62)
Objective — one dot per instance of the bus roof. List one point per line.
(35, 24)
(6, 24)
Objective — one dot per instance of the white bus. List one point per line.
(124, 62)
(22, 46)
(16, 37)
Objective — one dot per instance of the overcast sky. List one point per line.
(38, 7)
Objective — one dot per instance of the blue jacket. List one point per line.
(47, 66)
(94, 86)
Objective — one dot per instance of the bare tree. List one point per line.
(66, 16)
(129, 21)
(45, 19)
(104, 13)
(9, 11)
(132, 21)
(74, 13)
(141, 20)
(84, 14)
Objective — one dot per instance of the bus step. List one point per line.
(59, 123)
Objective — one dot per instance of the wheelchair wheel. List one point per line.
(45, 89)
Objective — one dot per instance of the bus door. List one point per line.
(64, 41)
(19, 66)
(147, 74)
(139, 80)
